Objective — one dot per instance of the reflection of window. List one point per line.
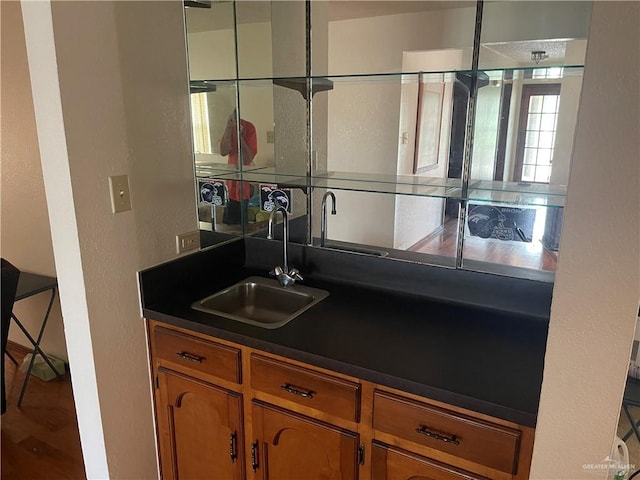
(200, 123)
(551, 72)
(537, 132)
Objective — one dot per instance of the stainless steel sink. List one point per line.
(261, 301)
(357, 249)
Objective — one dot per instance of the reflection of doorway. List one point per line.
(537, 133)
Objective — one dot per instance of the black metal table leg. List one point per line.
(36, 345)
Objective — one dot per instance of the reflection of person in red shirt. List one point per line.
(239, 192)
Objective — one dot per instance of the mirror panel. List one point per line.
(391, 146)
(523, 139)
(278, 115)
(504, 238)
(402, 148)
(511, 31)
(211, 43)
(526, 111)
(367, 37)
(405, 227)
(271, 39)
(210, 36)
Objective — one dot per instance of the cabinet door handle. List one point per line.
(422, 430)
(254, 456)
(232, 447)
(361, 451)
(190, 357)
(287, 387)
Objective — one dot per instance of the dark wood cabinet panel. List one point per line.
(389, 463)
(199, 428)
(293, 447)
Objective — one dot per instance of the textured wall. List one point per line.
(595, 300)
(26, 238)
(111, 98)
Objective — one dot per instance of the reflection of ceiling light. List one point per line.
(538, 55)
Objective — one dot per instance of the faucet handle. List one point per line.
(294, 273)
(276, 272)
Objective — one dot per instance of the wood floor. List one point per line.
(39, 440)
(516, 254)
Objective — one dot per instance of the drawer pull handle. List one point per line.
(190, 357)
(422, 430)
(287, 387)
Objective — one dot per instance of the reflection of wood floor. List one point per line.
(516, 254)
(39, 440)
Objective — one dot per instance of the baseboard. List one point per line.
(423, 241)
(17, 348)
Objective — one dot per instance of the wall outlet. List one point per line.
(187, 241)
(120, 195)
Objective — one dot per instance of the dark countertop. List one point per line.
(485, 360)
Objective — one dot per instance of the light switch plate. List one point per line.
(120, 195)
(187, 241)
(271, 136)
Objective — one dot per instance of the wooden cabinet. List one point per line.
(228, 411)
(294, 447)
(199, 429)
(306, 387)
(479, 441)
(390, 463)
(196, 356)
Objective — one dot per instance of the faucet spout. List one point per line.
(323, 218)
(285, 276)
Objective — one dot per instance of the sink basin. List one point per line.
(357, 249)
(261, 301)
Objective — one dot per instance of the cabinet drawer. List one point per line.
(389, 463)
(476, 440)
(200, 356)
(305, 387)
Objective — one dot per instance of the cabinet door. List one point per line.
(199, 429)
(292, 447)
(389, 463)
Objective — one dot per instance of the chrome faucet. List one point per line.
(323, 218)
(285, 276)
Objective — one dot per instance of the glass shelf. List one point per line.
(392, 184)
(517, 193)
(217, 170)
(513, 193)
(396, 184)
(430, 76)
(224, 170)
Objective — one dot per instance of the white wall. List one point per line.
(363, 137)
(530, 20)
(127, 114)
(359, 46)
(595, 299)
(26, 237)
(417, 217)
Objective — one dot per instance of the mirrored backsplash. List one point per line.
(428, 160)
